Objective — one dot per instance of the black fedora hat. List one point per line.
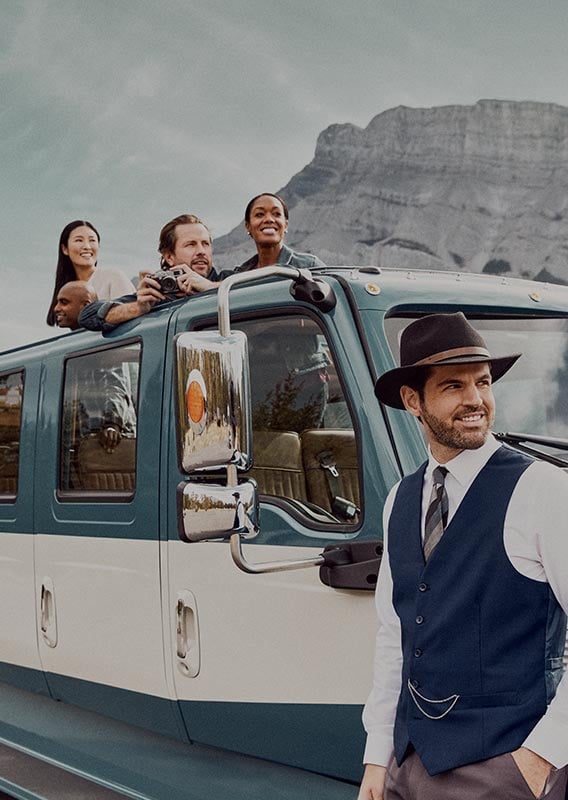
(437, 340)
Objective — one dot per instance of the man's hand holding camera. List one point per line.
(156, 287)
(148, 293)
(191, 282)
(167, 284)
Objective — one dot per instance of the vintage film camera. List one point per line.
(168, 279)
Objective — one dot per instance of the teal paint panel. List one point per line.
(157, 714)
(327, 739)
(155, 767)
(32, 680)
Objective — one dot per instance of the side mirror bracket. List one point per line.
(314, 291)
(351, 565)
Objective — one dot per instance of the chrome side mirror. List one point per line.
(213, 400)
(207, 511)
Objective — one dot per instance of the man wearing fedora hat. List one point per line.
(467, 699)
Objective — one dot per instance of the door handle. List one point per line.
(188, 651)
(48, 616)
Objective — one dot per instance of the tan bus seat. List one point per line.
(8, 485)
(8, 471)
(277, 466)
(102, 471)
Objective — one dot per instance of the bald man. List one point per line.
(71, 300)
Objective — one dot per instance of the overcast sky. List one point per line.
(129, 112)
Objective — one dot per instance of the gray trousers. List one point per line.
(495, 779)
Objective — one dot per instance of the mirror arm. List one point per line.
(269, 566)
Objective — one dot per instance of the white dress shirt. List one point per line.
(536, 542)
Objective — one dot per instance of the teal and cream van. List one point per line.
(188, 614)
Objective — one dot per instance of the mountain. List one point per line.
(481, 188)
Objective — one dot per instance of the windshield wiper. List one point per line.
(517, 440)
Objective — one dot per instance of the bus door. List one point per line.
(97, 529)
(19, 387)
(278, 665)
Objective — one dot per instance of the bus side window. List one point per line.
(11, 394)
(99, 422)
(304, 445)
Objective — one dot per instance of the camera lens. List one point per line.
(169, 283)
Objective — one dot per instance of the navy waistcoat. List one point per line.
(482, 644)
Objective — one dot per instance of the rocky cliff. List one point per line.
(476, 188)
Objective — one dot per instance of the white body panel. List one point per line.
(17, 600)
(276, 637)
(107, 603)
(261, 637)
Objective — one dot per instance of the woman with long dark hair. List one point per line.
(77, 261)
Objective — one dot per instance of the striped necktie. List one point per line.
(437, 514)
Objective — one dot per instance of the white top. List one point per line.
(110, 283)
(536, 542)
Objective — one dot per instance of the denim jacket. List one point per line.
(286, 257)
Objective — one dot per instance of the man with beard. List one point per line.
(186, 244)
(467, 700)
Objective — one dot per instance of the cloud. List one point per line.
(130, 112)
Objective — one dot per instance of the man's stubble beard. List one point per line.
(448, 436)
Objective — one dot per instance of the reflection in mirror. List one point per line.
(212, 397)
(208, 511)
